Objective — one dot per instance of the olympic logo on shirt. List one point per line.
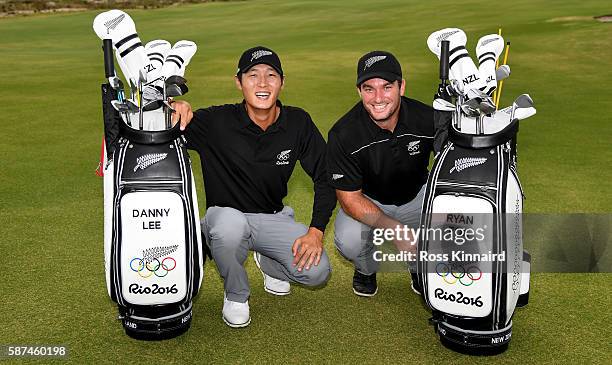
(453, 273)
(152, 267)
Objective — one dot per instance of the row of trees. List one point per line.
(29, 6)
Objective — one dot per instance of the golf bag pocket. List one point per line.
(471, 256)
(154, 258)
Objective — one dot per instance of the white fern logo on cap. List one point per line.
(258, 54)
(372, 60)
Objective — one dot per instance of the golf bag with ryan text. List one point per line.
(152, 242)
(472, 267)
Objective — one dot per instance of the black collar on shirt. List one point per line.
(246, 121)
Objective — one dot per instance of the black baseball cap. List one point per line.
(378, 64)
(258, 55)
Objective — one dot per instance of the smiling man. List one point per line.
(377, 158)
(248, 153)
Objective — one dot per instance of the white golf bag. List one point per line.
(152, 241)
(472, 268)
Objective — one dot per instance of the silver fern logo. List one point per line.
(149, 159)
(113, 23)
(445, 36)
(488, 40)
(467, 162)
(372, 60)
(258, 54)
(153, 253)
(182, 45)
(157, 44)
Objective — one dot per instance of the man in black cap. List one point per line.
(248, 152)
(377, 158)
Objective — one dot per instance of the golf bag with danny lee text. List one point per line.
(152, 241)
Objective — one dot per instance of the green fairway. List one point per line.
(53, 289)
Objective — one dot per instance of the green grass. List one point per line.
(52, 289)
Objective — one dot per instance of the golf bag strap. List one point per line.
(484, 141)
(149, 137)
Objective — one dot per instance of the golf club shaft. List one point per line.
(499, 31)
(501, 83)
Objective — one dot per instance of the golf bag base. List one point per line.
(482, 343)
(153, 251)
(139, 325)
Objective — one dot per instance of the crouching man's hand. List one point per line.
(307, 250)
(182, 112)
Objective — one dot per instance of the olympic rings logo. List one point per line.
(453, 273)
(153, 267)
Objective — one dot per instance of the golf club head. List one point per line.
(478, 103)
(152, 105)
(173, 90)
(519, 113)
(120, 27)
(176, 79)
(523, 101)
(524, 113)
(487, 106)
(150, 93)
(488, 50)
(126, 106)
(178, 58)
(471, 108)
(133, 107)
(462, 68)
(184, 88)
(457, 87)
(502, 72)
(115, 83)
(443, 105)
(119, 106)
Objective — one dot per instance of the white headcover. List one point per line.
(462, 68)
(488, 50)
(156, 51)
(178, 58)
(119, 26)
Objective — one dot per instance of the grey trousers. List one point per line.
(230, 234)
(353, 239)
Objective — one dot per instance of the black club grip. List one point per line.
(444, 60)
(109, 62)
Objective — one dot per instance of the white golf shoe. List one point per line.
(272, 285)
(236, 314)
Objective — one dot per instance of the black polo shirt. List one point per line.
(247, 168)
(388, 167)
